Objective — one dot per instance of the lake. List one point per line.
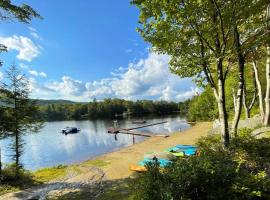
(49, 147)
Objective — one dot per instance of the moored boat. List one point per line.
(69, 130)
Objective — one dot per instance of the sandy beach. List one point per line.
(119, 161)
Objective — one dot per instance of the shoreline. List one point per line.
(118, 149)
(114, 165)
(118, 161)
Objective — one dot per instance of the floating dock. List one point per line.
(129, 131)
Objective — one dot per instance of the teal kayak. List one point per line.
(186, 149)
(162, 162)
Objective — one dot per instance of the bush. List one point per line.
(11, 183)
(239, 172)
(151, 185)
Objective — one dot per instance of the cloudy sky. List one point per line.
(83, 50)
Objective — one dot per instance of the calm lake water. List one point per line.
(49, 147)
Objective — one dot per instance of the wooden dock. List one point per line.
(144, 134)
(129, 131)
(191, 123)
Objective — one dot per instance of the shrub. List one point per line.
(239, 172)
(151, 185)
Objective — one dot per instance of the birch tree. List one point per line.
(249, 103)
(248, 33)
(196, 34)
(267, 95)
(202, 38)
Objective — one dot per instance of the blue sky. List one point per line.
(89, 49)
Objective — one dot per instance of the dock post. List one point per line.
(115, 124)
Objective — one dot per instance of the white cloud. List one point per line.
(32, 29)
(24, 45)
(147, 78)
(39, 90)
(43, 74)
(23, 66)
(68, 86)
(35, 73)
(34, 33)
(1, 76)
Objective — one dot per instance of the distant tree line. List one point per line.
(109, 108)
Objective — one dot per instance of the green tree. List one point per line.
(22, 115)
(267, 95)
(204, 39)
(196, 36)
(203, 107)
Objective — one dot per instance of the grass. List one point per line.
(48, 174)
(4, 189)
(96, 163)
(42, 176)
(53, 173)
(12, 183)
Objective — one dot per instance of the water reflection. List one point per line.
(49, 147)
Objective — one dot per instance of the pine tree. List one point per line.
(22, 113)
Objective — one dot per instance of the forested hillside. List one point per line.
(109, 108)
(53, 101)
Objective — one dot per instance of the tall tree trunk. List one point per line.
(239, 97)
(249, 106)
(259, 88)
(17, 162)
(247, 111)
(16, 133)
(234, 100)
(267, 95)
(222, 105)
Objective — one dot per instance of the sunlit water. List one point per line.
(49, 147)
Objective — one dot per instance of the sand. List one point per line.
(120, 161)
